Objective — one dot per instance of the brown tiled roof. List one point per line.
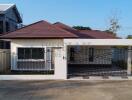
(41, 29)
(65, 27)
(70, 29)
(94, 34)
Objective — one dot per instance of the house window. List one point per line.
(7, 45)
(1, 44)
(37, 53)
(30, 53)
(1, 27)
(4, 44)
(7, 27)
(91, 54)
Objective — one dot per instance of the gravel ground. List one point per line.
(65, 90)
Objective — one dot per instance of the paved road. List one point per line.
(65, 90)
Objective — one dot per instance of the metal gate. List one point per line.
(97, 61)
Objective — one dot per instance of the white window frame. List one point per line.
(31, 59)
(45, 58)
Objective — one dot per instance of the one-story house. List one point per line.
(55, 48)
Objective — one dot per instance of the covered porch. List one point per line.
(98, 57)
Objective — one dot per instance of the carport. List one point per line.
(98, 57)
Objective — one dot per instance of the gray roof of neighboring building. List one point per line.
(5, 7)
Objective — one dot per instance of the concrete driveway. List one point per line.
(65, 90)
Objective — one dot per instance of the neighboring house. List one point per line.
(10, 20)
(43, 46)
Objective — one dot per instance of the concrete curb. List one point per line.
(42, 77)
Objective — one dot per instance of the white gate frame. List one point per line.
(104, 42)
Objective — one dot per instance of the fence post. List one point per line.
(129, 65)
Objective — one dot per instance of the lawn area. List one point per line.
(65, 90)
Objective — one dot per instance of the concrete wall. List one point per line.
(60, 64)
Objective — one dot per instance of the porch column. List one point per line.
(65, 60)
(129, 65)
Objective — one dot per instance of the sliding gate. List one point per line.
(97, 61)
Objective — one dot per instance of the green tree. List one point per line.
(129, 37)
(82, 28)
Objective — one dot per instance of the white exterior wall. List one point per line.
(60, 61)
(99, 42)
(60, 66)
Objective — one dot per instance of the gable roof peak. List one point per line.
(39, 30)
(5, 7)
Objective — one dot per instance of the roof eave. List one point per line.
(38, 37)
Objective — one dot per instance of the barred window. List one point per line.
(30, 53)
